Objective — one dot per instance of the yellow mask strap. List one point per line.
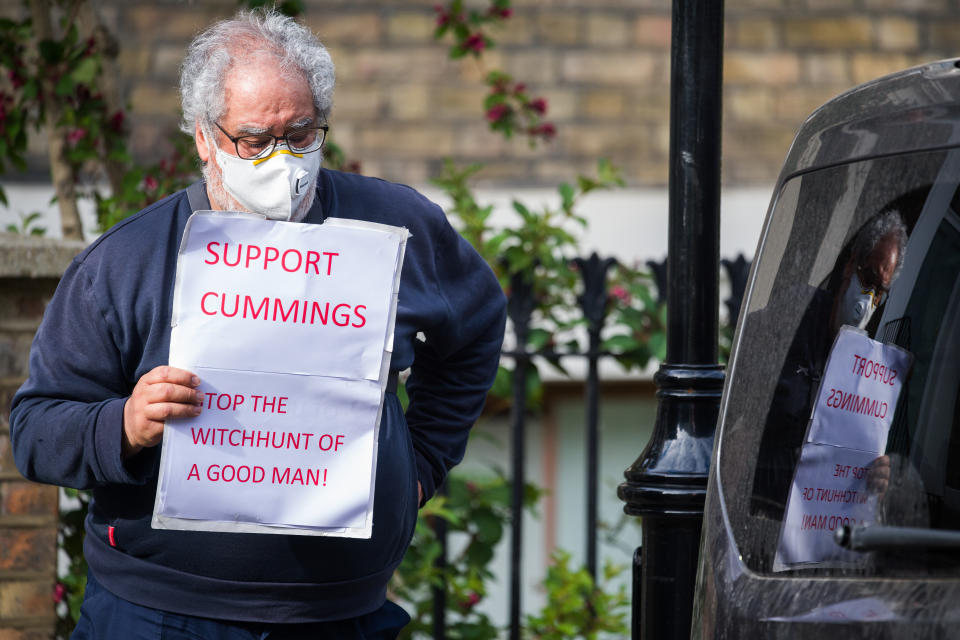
(276, 153)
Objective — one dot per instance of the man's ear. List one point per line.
(202, 149)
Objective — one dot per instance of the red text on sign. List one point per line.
(263, 404)
(868, 368)
(299, 476)
(847, 470)
(855, 403)
(290, 260)
(828, 494)
(245, 474)
(279, 310)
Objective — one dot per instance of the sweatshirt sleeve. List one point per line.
(66, 419)
(455, 366)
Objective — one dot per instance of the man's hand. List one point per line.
(162, 393)
(878, 475)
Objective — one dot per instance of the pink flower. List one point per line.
(497, 112)
(519, 87)
(76, 135)
(471, 601)
(475, 42)
(150, 183)
(539, 105)
(116, 121)
(59, 592)
(545, 130)
(503, 14)
(443, 18)
(620, 294)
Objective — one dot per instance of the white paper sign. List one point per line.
(859, 391)
(290, 327)
(847, 432)
(289, 297)
(829, 491)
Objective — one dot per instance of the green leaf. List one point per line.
(520, 208)
(501, 384)
(567, 195)
(65, 86)
(31, 89)
(620, 343)
(86, 71)
(534, 387)
(538, 338)
(479, 554)
(658, 345)
(489, 529)
(51, 51)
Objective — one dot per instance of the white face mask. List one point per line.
(274, 186)
(857, 305)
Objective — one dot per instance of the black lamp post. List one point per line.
(666, 486)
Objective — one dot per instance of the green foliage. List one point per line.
(467, 26)
(540, 245)
(63, 75)
(476, 512)
(141, 186)
(68, 593)
(638, 323)
(26, 226)
(508, 108)
(20, 106)
(578, 608)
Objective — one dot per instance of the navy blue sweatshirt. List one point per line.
(109, 323)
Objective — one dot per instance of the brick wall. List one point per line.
(603, 65)
(29, 271)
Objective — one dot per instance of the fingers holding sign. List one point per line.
(878, 475)
(161, 394)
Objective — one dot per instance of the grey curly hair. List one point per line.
(245, 37)
(886, 223)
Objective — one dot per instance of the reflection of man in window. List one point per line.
(858, 285)
(876, 257)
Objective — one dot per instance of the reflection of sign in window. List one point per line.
(851, 419)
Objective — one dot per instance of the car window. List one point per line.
(857, 259)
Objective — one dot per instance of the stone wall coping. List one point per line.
(36, 257)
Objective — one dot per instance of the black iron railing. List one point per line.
(593, 304)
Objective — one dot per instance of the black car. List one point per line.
(834, 497)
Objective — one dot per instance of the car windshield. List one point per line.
(842, 409)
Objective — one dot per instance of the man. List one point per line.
(857, 286)
(256, 91)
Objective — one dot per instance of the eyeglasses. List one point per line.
(299, 140)
(870, 280)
